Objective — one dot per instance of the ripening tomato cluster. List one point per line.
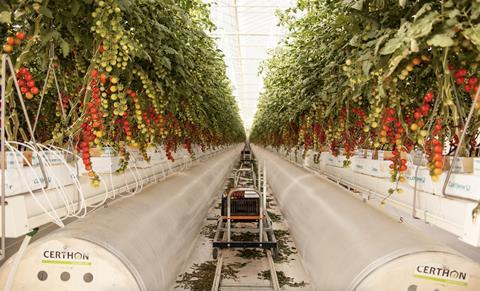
(348, 146)
(141, 125)
(94, 107)
(176, 126)
(392, 131)
(126, 127)
(12, 41)
(434, 150)
(392, 128)
(307, 138)
(398, 166)
(26, 83)
(65, 102)
(187, 145)
(411, 66)
(419, 113)
(158, 122)
(354, 134)
(470, 84)
(85, 150)
(92, 128)
(169, 149)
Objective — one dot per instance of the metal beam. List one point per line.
(248, 59)
(252, 6)
(237, 34)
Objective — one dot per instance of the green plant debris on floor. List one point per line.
(274, 217)
(250, 254)
(202, 275)
(209, 230)
(284, 248)
(282, 279)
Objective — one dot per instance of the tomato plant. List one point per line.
(118, 73)
(374, 74)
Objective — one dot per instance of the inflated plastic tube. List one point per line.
(137, 243)
(348, 245)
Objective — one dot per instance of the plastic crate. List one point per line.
(241, 206)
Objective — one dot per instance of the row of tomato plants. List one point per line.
(117, 73)
(375, 74)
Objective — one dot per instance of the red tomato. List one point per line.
(20, 35)
(34, 90)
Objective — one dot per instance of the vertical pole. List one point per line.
(4, 160)
(260, 221)
(265, 183)
(228, 216)
(259, 170)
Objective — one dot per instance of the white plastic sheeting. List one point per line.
(348, 245)
(138, 243)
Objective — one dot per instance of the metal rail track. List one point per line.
(217, 281)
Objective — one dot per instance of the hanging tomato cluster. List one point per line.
(26, 83)
(13, 41)
(402, 79)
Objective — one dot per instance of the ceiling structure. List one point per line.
(246, 30)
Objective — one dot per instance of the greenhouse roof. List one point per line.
(246, 29)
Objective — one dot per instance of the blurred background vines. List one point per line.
(374, 74)
(120, 72)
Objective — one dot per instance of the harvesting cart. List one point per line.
(244, 221)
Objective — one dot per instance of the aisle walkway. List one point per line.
(244, 266)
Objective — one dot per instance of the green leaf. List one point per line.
(475, 10)
(425, 8)
(392, 45)
(473, 34)
(453, 13)
(366, 66)
(4, 6)
(45, 11)
(396, 60)
(441, 40)
(75, 7)
(448, 4)
(166, 63)
(5, 17)
(169, 50)
(65, 46)
(46, 37)
(380, 42)
(424, 26)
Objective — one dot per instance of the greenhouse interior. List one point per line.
(174, 145)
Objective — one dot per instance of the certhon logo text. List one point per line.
(442, 274)
(66, 257)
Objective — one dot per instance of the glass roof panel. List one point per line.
(246, 29)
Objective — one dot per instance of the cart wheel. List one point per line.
(275, 253)
(214, 253)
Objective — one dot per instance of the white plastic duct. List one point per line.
(137, 243)
(349, 245)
